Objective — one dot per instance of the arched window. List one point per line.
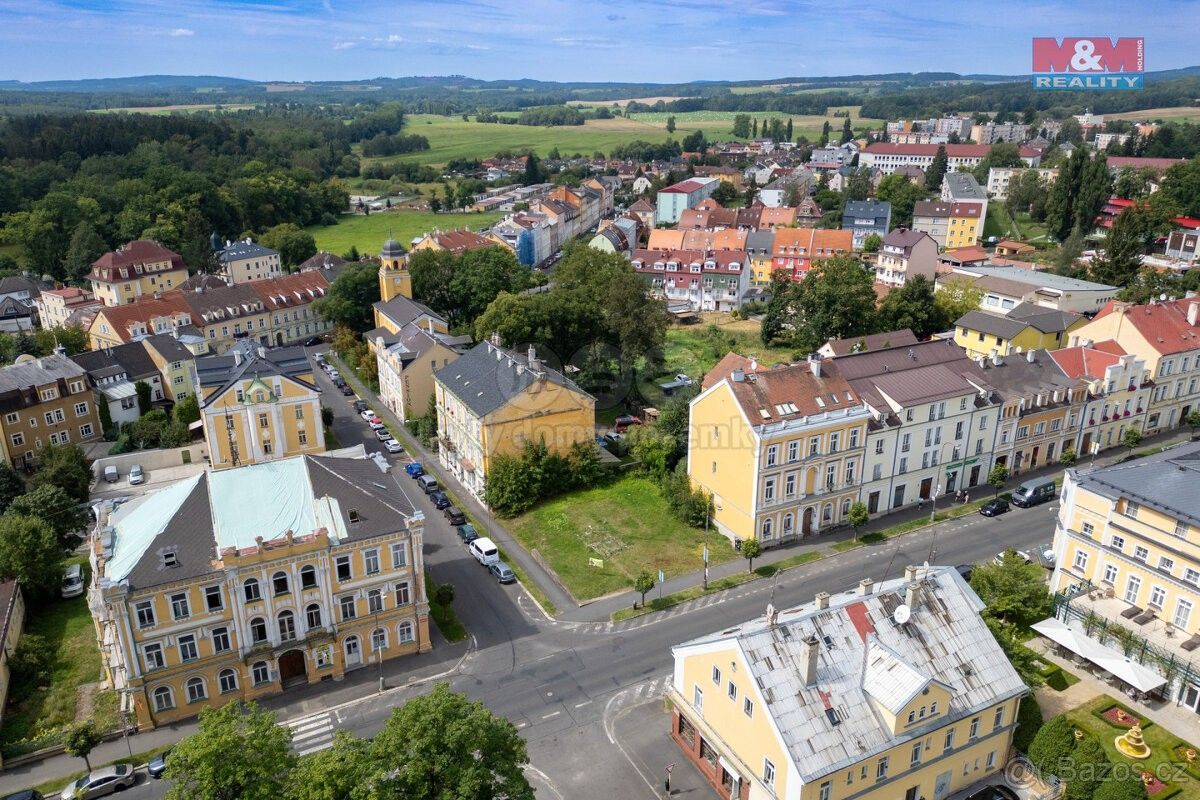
(279, 582)
(379, 640)
(196, 690)
(260, 673)
(827, 513)
(287, 626)
(787, 524)
(250, 589)
(258, 630)
(406, 632)
(312, 616)
(308, 577)
(227, 680)
(845, 507)
(164, 698)
(766, 528)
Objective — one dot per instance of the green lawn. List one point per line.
(998, 222)
(368, 233)
(37, 720)
(1162, 745)
(626, 524)
(1031, 231)
(443, 615)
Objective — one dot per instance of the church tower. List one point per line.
(394, 278)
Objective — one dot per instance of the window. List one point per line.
(1110, 573)
(974, 734)
(998, 722)
(18, 439)
(916, 755)
(343, 568)
(287, 626)
(406, 632)
(1166, 564)
(1158, 597)
(399, 555)
(379, 640)
(1088, 528)
(187, 648)
(1132, 588)
(825, 792)
(312, 617)
(1081, 559)
(716, 676)
(152, 654)
(903, 467)
(1183, 613)
(145, 614)
(912, 717)
(1181, 528)
(904, 442)
(732, 691)
(834, 441)
(250, 590)
(308, 577)
(991, 760)
(768, 772)
(260, 673)
(371, 561)
(258, 630)
(81, 409)
(748, 707)
(227, 681)
(179, 606)
(814, 445)
(302, 436)
(772, 455)
(348, 610)
(879, 447)
(881, 769)
(300, 412)
(949, 744)
(220, 639)
(854, 437)
(403, 595)
(1117, 542)
(279, 583)
(1132, 508)
(164, 700)
(263, 421)
(374, 601)
(196, 690)
(1141, 553)
(1191, 576)
(698, 698)
(212, 598)
(794, 451)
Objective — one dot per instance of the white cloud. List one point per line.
(182, 32)
(344, 45)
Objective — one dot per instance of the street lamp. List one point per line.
(378, 650)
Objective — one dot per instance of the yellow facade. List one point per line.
(407, 388)
(762, 265)
(116, 293)
(256, 420)
(394, 277)
(963, 232)
(1038, 437)
(979, 343)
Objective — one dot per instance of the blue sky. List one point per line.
(613, 40)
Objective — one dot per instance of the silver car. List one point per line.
(137, 475)
(100, 782)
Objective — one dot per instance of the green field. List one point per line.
(368, 233)
(626, 525)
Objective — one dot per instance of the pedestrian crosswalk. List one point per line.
(310, 734)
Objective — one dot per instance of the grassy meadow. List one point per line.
(368, 233)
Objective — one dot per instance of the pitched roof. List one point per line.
(24, 375)
(936, 208)
(1036, 279)
(874, 341)
(867, 208)
(241, 250)
(912, 374)
(140, 252)
(132, 359)
(289, 291)
(905, 238)
(785, 392)
(665, 239)
(966, 255)
(322, 260)
(1043, 319)
(1163, 325)
(1019, 247)
(461, 241)
(246, 359)
(1165, 482)
(642, 206)
(487, 377)
(13, 284)
(402, 310)
(1084, 362)
(864, 658)
(1027, 375)
(683, 187)
(997, 325)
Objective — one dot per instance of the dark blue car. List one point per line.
(414, 470)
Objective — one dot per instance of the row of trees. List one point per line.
(517, 483)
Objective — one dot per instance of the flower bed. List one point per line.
(1153, 785)
(1191, 767)
(1120, 716)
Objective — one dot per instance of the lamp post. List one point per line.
(707, 514)
(379, 649)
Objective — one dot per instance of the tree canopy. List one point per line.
(350, 298)
(238, 753)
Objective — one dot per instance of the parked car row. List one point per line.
(333, 374)
(376, 424)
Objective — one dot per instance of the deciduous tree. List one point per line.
(1014, 590)
(835, 300)
(57, 509)
(751, 549)
(295, 245)
(350, 297)
(30, 554)
(913, 306)
(238, 753)
(82, 739)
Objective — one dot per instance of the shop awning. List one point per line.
(1139, 677)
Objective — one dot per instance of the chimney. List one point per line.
(866, 587)
(495, 340)
(910, 573)
(534, 364)
(739, 376)
(910, 595)
(1029, 356)
(996, 358)
(822, 600)
(810, 660)
(814, 364)
(1193, 312)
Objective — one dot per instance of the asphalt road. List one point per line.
(567, 686)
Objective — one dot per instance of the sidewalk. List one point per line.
(294, 703)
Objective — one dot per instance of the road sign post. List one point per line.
(661, 580)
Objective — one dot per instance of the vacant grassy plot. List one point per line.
(1163, 744)
(368, 233)
(183, 109)
(626, 524)
(1169, 113)
(38, 720)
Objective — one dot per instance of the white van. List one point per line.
(484, 550)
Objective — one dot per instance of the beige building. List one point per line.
(140, 268)
(12, 625)
(891, 691)
(245, 261)
(240, 584)
(55, 306)
(44, 401)
(904, 254)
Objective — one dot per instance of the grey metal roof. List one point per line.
(247, 359)
(239, 251)
(38, 372)
(945, 641)
(132, 358)
(1046, 320)
(1166, 482)
(868, 208)
(487, 376)
(1018, 376)
(402, 310)
(913, 374)
(963, 186)
(760, 240)
(987, 322)
(873, 341)
(1037, 279)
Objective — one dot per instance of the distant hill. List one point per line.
(138, 84)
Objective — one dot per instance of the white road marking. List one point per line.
(551, 715)
(584, 703)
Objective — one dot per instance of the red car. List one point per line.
(622, 423)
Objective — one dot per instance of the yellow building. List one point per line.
(1025, 327)
(136, 269)
(895, 691)
(1127, 545)
(394, 277)
(258, 405)
(951, 225)
(780, 450)
(236, 585)
(43, 402)
(492, 401)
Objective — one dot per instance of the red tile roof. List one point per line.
(106, 268)
(1084, 362)
(683, 187)
(766, 395)
(296, 289)
(721, 261)
(1163, 325)
(1116, 162)
(170, 305)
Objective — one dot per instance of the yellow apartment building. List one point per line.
(245, 261)
(244, 583)
(45, 401)
(258, 405)
(780, 450)
(139, 268)
(891, 691)
(492, 401)
(1166, 336)
(176, 364)
(55, 306)
(1128, 537)
(1025, 327)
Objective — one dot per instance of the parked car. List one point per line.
(360, 406)
(100, 782)
(994, 793)
(502, 572)
(339, 383)
(994, 508)
(72, 581)
(454, 516)
(383, 434)
(414, 470)
(613, 436)
(427, 483)
(137, 475)
(440, 499)
(1034, 491)
(334, 374)
(367, 414)
(622, 423)
(346, 390)
(112, 474)
(484, 551)
(1045, 556)
(467, 533)
(392, 446)
(25, 794)
(158, 765)
(377, 424)
(319, 358)
(312, 341)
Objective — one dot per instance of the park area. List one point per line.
(369, 232)
(598, 540)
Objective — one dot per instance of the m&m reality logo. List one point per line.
(1092, 62)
